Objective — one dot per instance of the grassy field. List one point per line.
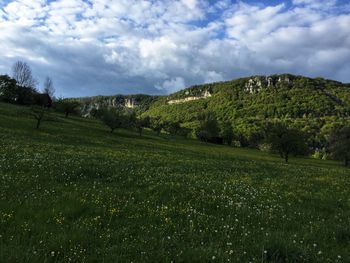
(73, 192)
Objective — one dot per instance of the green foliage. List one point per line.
(339, 144)
(285, 141)
(227, 132)
(13, 93)
(184, 132)
(67, 106)
(208, 127)
(8, 89)
(113, 118)
(157, 125)
(265, 147)
(309, 105)
(172, 127)
(321, 154)
(141, 123)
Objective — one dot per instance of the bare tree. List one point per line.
(38, 113)
(22, 73)
(48, 87)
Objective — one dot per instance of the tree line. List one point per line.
(276, 136)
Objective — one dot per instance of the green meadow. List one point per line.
(73, 192)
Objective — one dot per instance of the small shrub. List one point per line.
(264, 147)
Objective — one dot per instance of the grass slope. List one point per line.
(72, 191)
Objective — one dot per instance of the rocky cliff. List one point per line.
(138, 103)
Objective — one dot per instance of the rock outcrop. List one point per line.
(256, 84)
(131, 103)
(205, 94)
(128, 101)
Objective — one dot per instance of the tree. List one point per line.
(157, 125)
(22, 73)
(339, 144)
(48, 87)
(142, 123)
(184, 132)
(13, 93)
(113, 118)
(38, 112)
(129, 118)
(173, 127)
(208, 128)
(227, 132)
(286, 140)
(66, 106)
(8, 89)
(25, 95)
(42, 99)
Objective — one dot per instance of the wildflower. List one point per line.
(113, 210)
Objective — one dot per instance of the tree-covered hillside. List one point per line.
(312, 105)
(278, 96)
(261, 97)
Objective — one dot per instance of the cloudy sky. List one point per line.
(92, 47)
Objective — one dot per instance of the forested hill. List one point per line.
(261, 97)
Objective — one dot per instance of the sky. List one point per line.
(106, 47)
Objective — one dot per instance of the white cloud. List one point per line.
(106, 46)
(172, 85)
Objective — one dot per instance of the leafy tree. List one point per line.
(286, 140)
(13, 93)
(184, 132)
(227, 132)
(113, 118)
(157, 125)
(173, 127)
(208, 127)
(22, 73)
(142, 123)
(8, 89)
(26, 95)
(339, 144)
(130, 118)
(243, 141)
(67, 107)
(42, 99)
